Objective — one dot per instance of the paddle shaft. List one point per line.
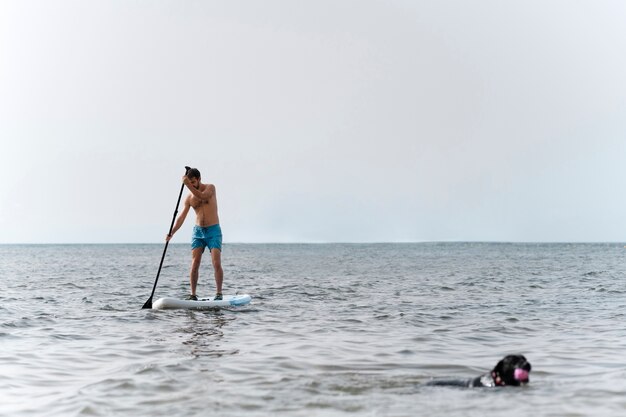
(148, 303)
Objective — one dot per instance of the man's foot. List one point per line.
(192, 297)
(218, 296)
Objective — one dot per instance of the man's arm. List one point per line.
(181, 219)
(204, 195)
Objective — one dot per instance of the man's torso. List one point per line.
(206, 210)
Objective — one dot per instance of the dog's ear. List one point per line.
(498, 368)
(497, 371)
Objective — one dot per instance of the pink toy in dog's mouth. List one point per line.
(520, 375)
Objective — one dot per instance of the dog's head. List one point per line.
(511, 370)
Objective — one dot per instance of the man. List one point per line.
(206, 232)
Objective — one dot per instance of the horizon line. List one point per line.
(332, 242)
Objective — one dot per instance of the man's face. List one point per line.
(195, 182)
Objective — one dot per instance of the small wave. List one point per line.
(593, 273)
(72, 285)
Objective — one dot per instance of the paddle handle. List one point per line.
(182, 187)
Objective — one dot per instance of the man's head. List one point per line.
(194, 176)
(193, 173)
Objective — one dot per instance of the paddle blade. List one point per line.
(148, 303)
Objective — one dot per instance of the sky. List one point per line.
(317, 121)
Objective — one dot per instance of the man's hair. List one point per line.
(193, 173)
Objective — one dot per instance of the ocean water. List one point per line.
(332, 330)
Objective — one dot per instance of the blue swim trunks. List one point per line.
(207, 236)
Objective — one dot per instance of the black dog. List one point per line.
(512, 370)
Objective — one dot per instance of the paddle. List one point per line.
(148, 303)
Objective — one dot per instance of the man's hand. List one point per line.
(168, 237)
(186, 181)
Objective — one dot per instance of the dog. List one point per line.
(511, 371)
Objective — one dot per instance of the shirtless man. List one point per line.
(206, 232)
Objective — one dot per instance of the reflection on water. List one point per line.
(204, 332)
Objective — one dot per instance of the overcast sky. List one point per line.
(318, 121)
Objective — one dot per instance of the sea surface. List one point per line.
(332, 330)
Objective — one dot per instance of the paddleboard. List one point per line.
(202, 303)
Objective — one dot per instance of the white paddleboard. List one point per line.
(202, 303)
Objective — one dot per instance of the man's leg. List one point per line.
(196, 258)
(216, 257)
